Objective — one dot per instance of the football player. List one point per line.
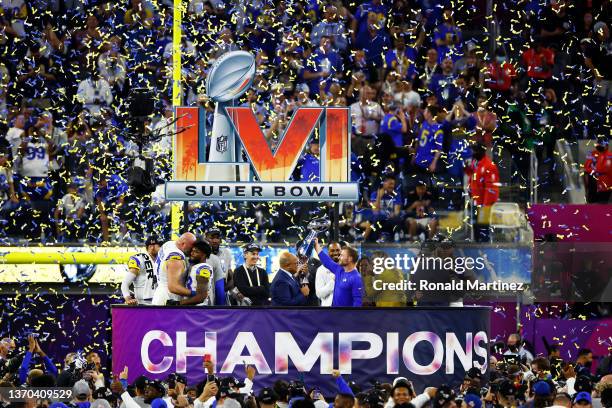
(200, 279)
(171, 270)
(141, 274)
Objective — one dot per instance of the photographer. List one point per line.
(34, 348)
(93, 369)
(515, 347)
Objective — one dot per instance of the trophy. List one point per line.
(315, 227)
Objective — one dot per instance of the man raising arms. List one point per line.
(348, 289)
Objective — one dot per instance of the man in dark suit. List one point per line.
(251, 280)
(285, 288)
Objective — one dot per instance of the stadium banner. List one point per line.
(426, 345)
(571, 222)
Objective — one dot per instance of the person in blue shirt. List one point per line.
(109, 194)
(448, 37)
(402, 59)
(331, 27)
(348, 289)
(324, 65)
(443, 85)
(387, 204)
(374, 41)
(34, 348)
(309, 165)
(361, 22)
(429, 141)
(394, 126)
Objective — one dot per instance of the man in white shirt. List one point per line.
(325, 279)
(141, 274)
(366, 115)
(94, 93)
(13, 136)
(515, 347)
(112, 65)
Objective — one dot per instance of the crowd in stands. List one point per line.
(422, 84)
(514, 379)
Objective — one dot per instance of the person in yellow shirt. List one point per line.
(138, 13)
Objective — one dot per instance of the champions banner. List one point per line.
(426, 345)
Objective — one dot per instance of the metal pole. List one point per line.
(336, 222)
(176, 214)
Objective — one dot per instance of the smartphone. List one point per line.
(207, 358)
(316, 394)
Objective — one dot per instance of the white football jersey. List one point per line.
(168, 252)
(146, 281)
(35, 160)
(225, 257)
(202, 269)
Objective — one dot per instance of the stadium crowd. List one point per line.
(514, 379)
(420, 82)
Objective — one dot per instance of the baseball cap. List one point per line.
(213, 231)
(252, 247)
(267, 396)
(603, 141)
(153, 240)
(583, 396)
(401, 382)
(472, 400)
(58, 405)
(158, 385)
(541, 388)
(159, 403)
(81, 389)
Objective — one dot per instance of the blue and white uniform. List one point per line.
(146, 280)
(168, 252)
(205, 270)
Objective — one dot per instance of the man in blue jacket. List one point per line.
(348, 289)
(285, 289)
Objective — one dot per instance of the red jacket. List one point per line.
(500, 76)
(535, 62)
(484, 180)
(603, 171)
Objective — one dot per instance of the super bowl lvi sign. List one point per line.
(265, 176)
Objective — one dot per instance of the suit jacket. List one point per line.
(285, 291)
(258, 294)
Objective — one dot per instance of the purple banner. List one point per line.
(426, 345)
